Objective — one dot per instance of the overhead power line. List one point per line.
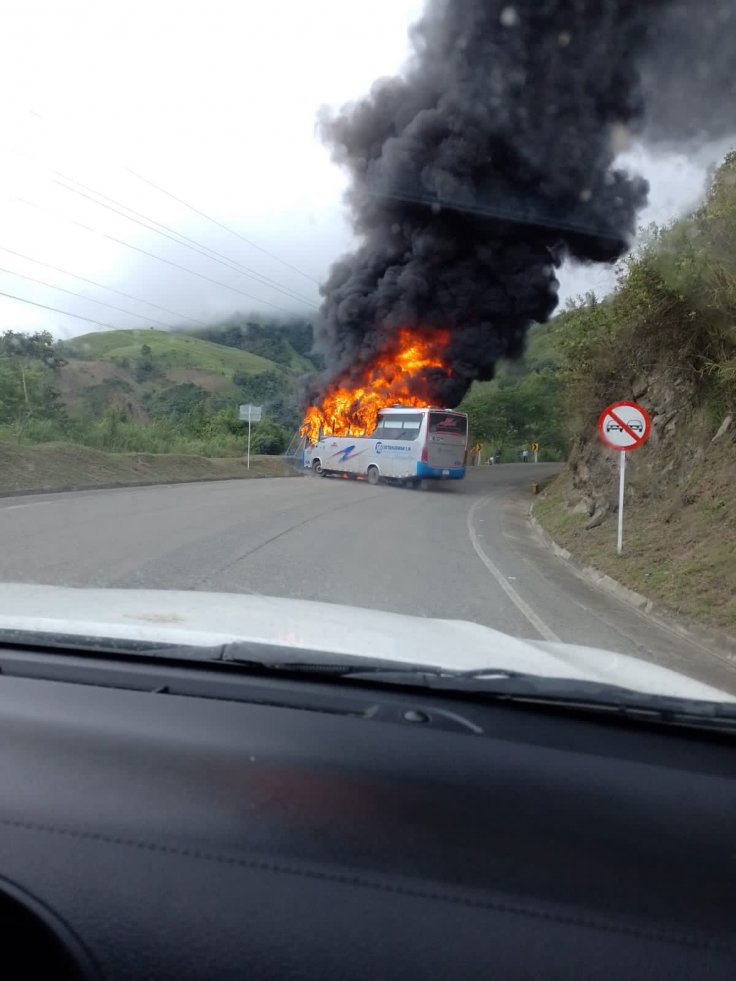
(81, 296)
(220, 224)
(102, 286)
(197, 211)
(43, 306)
(178, 237)
(152, 255)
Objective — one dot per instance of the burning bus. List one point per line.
(379, 420)
(408, 445)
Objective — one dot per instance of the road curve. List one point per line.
(464, 550)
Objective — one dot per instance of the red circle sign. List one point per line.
(624, 425)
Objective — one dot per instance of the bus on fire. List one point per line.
(407, 446)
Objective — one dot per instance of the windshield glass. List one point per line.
(424, 313)
(446, 424)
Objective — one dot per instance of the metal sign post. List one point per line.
(623, 426)
(621, 483)
(250, 414)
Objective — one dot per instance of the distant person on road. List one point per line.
(525, 456)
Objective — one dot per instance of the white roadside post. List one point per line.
(623, 426)
(621, 482)
(250, 413)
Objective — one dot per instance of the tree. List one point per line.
(174, 403)
(262, 386)
(145, 368)
(520, 410)
(274, 339)
(267, 437)
(28, 366)
(274, 390)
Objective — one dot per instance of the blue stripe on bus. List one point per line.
(439, 473)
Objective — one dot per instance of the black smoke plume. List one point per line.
(490, 160)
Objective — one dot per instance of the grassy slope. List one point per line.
(94, 360)
(679, 536)
(169, 350)
(65, 466)
(298, 362)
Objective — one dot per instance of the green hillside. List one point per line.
(169, 350)
(154, 391)
(298, 362)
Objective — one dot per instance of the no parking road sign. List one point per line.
(623, 426)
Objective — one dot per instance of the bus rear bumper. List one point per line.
(437, 473)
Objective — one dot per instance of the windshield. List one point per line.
(423, 312)
(447, 424)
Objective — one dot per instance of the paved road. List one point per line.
(462, 550)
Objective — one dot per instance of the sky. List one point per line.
(198, 116)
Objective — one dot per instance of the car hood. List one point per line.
(339, 633)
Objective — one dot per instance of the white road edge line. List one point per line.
(539, 625)
(17, 507)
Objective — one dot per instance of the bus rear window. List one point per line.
(447, 424)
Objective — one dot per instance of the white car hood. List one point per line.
(207, 619)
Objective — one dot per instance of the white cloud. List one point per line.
(214, 101)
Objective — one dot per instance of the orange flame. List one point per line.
(392, 378)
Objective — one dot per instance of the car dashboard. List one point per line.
(169, 819)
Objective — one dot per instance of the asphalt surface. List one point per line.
(463, 550)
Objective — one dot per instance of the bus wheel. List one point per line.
(317, 468)
(373, 475)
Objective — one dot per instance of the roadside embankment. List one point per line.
(66, 466)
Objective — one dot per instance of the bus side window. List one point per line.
(392, 428)
(378, 432)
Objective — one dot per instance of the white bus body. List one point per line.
(408, 445)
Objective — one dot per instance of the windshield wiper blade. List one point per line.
(489, 683)
(503, 684)
(390, 670)
(374, 671)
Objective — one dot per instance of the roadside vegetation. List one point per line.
(524, 404)
(674, 312)
(156, 391)
(666, 338)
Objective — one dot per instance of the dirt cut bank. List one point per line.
(65, 466)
